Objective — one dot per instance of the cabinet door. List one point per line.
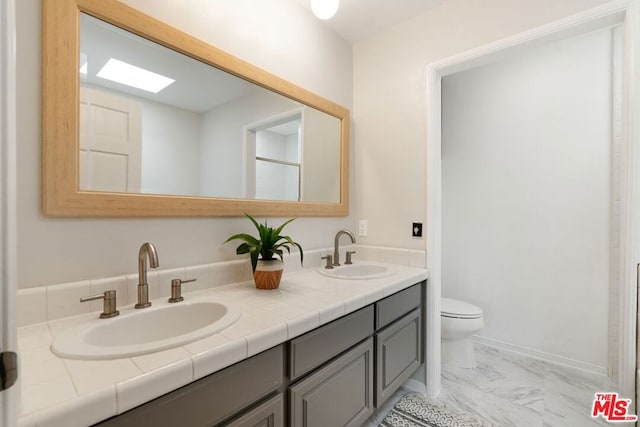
(398, 354)
(268, 414)
(340, 394)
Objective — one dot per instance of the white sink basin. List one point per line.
(136, 332)
(359, 271)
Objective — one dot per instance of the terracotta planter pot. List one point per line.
(268, 274)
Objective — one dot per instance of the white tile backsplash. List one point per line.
(32, 306)
(64, 300)
(52, 302)
(417, 259)
(394, 256)
(202, 274)
(222, 274)
(368, 253)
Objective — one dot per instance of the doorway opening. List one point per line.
(623, 13)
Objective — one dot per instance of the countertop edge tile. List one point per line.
(266, 338)
(352, 304)
(331, 312)
(143, 388)
(218, 358)
(87, 409)
(302, 324)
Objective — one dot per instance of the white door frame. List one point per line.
(8, 246)
(624, 12)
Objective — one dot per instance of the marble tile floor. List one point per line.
(507, 389)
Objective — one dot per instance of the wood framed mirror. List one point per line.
(284, 151)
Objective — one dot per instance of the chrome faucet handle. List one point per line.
(348, 260)
(176, 289)
(329, 259)
(109, 306)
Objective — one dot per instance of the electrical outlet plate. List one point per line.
(363, 228)
(416, 230)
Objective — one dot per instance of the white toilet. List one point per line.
(459, 321)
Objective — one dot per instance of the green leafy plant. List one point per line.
(267, 245)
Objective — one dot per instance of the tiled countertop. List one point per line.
(67, 392)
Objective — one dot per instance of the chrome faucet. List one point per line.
(146, 250)
(336, 245)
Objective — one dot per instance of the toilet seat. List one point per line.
(456, 309)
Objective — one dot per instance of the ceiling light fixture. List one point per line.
(324, 9)
(130, 75)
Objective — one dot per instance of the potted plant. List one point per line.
(263, 250)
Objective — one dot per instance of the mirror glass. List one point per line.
(155, 121)
(140, 119)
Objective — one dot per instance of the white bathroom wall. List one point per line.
(321, 157)
(390, 102)
(526, 196)
(170, 149)
(277, 35)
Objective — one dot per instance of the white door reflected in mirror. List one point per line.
(110, 142)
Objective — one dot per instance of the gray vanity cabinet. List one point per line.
(269, 414)
(333, 376)
(398, 354)
(398, 340)
(339, 394)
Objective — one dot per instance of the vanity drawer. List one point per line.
(396, 305)
(212, 399)
(315, 348)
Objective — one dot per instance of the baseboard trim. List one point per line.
(415, 386)
(541, 355)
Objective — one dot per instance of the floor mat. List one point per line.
(415, 410)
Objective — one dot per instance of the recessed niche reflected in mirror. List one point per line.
(205, 133)
(278, 161)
